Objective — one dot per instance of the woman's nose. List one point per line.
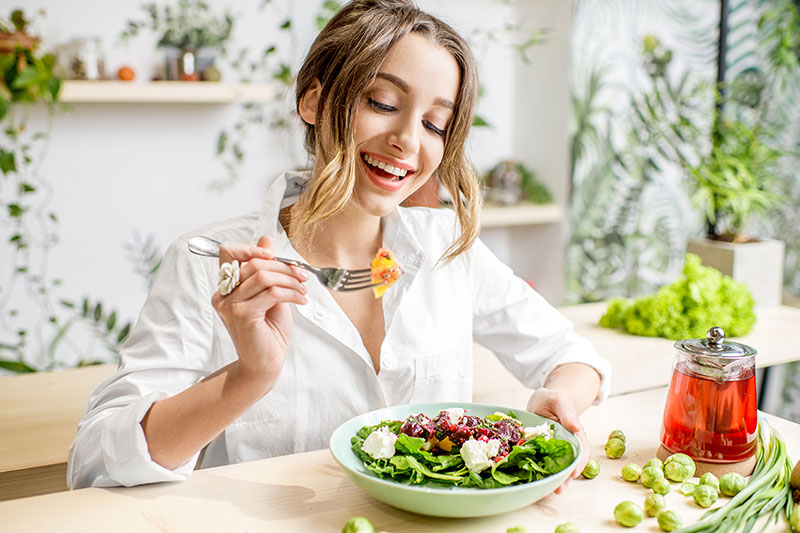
(404, 136)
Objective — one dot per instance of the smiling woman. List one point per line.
(387, 94)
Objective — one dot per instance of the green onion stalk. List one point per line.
(768, 492)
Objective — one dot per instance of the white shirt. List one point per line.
(432, 316)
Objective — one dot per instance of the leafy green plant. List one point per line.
(34, 322)
(187, 24)
(736, 181)
(686, 308)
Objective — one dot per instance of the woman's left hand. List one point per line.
(558, 406)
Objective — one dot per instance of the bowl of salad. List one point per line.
(455, 459)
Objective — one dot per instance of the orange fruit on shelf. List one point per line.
(126, 74)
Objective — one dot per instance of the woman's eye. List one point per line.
(379, 106)
(434, 129)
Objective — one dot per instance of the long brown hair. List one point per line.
(345, 58)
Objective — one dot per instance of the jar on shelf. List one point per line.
(86, 59)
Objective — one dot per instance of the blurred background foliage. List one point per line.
(643, 77)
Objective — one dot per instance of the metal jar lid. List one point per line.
(714, 345)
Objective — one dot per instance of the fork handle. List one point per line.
(209, 247)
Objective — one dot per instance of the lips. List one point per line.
(387, 176)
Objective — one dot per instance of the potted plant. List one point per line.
(732, 166)
(13, 34)
(187, 29)
(735, 182)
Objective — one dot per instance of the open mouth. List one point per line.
(385, 170)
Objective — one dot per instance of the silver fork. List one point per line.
(337, 279)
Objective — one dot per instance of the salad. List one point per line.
(455, 448)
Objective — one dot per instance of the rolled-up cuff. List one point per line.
(125, 451)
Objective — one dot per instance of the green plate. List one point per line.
(442, 500)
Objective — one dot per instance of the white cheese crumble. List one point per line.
(380, 443)
(455, 414)
(478, 454)
(542, 429)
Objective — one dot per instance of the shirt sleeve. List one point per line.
(529, 336)
(168, 351)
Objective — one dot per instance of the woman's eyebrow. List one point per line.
(403, 86)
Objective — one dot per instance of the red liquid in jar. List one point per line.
(710, 420)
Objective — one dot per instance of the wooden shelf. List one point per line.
(521, 215)
(163, 92)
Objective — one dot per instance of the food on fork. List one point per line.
(385, 271)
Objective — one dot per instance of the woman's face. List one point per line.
(401, 122)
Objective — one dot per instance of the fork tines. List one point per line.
(357, 286)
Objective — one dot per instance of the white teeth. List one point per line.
(399, 172)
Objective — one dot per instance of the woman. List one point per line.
(387, 94)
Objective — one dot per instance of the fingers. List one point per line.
(254, 266)
(243, 252)
(269, 277)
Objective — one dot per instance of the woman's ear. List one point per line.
(309, 103)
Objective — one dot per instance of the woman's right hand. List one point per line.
(256, 313)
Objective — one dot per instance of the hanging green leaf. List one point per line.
(26, 78)
(123, 333)
(15, 210)
(7, 161)
(112, 321)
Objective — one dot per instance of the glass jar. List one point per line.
(711, 408)
(86, 59)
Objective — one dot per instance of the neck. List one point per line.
(348, 239)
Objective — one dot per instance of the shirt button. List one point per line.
(387, 365)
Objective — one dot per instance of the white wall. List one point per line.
(118, 169)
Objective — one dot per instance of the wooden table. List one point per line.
(309, 492)
(639, 363)
(39, 413)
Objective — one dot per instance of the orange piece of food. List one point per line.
(385, 270)
(126, 74)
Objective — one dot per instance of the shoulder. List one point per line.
(178, 261)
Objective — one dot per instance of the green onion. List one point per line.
(767, 493)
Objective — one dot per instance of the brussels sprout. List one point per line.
(661, 486)
(679, 467)
(655, 461)
(628, 514)
(731, 483)
(615, 448)
(687, 488)
(567, 527)
(358, 524)
(617, 434)
(631, 472)
(519, 529)
(650, 475)
(654, 504)
(794, 521)
(710, 479)
(591, 469)
(704, 495)
(669, 521)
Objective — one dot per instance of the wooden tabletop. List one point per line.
(39, 413)
(639, 363)
(309, 492)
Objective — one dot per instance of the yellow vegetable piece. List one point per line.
(385, 270)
